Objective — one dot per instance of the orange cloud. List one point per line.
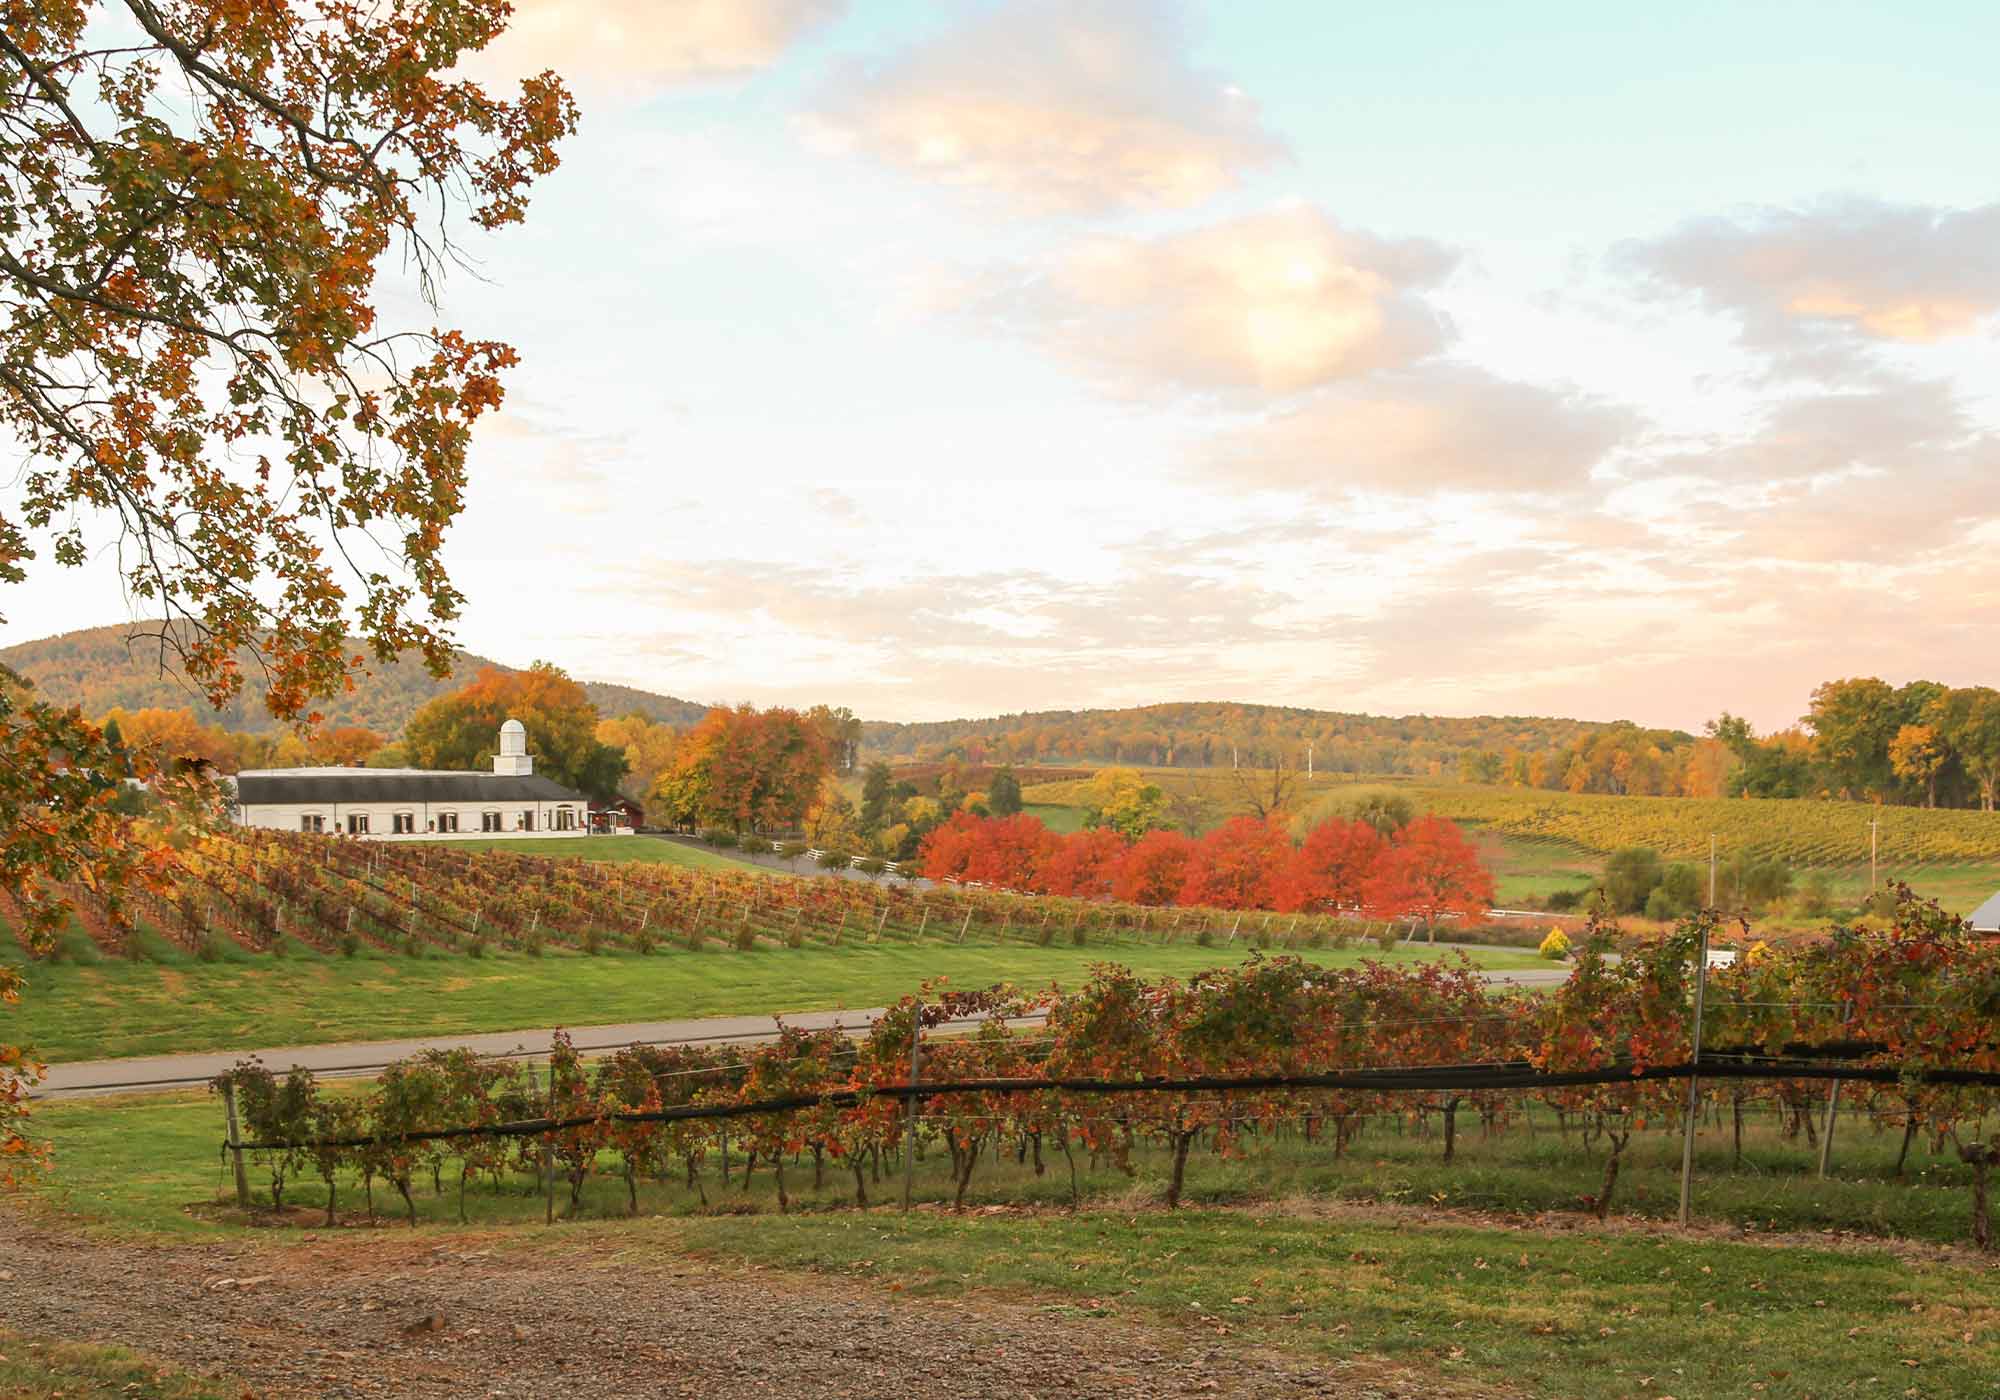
(1057, 105)
(1859, 267)
(1435, 428)
(1274, 302)
(627, 42)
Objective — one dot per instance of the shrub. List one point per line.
(1204, 939)
(413, 946)
(646, 940)
(753, 845)
(834, 860)
(871, 865)
(477, 946)
(1630, 876)
(350, 944)
(593, 940)
(716, 836)
(1556, 946)
(210, 948)
(1815, 897)
(1388, 938)
(790, 851)
(531, 943)
(745, 938)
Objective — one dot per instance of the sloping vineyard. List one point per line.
(256, 890)
(1235, 1057)
(1801, 833)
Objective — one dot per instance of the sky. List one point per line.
(953, 358)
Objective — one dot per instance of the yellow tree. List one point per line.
(1918, 754)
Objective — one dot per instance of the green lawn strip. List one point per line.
(31, 1369)
(651, 849)
(115, 1008)
(1562, 1315)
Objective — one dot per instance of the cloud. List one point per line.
(625, 43)
(1056, 106)
(1435, 427)
(1855, 269)
(1274, 302)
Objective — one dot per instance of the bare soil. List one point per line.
(348, 1316)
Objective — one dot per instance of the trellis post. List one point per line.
(1694, 1082)
(235, 1143)
(1832, 1108)
(910, 1108)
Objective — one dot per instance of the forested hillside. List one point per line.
(1217, 734)
(121, 667)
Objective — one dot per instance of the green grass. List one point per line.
(112, 1009)
(38, 1370)
(1282, 1246)
(1581, 1317)
(1056, 816)
(654, 849)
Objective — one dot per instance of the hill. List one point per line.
(101, 668)
(1217, 734)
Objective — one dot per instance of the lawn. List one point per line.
(1482, 1271)
(36, 1370)
(656, 849)
(110, 1009)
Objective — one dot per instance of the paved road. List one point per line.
(158, 1072)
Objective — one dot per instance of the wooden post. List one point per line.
(880, 924)
(964, 926)
(910, 1109)
(235, 1144)
(1832, 1109)
(1694, 1082)
(925, 922)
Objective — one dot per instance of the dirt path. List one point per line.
(471, 1317)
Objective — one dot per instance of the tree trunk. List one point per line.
(1618, 1141)
(1736, 1108)
(1450, 1130)
(1980, 1157)
(330, 1189)
(1909, 1136)
(971, 1158)
(860, 1182)
(1182, 1141)
(778, 1171)
(631, 1188)
(819, 1166)
(462, 1175)
(1074, 1195)
(403, 1186)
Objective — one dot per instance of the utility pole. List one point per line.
(1711, 870)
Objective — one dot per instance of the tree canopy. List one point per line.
(198, 199)
(462, 730)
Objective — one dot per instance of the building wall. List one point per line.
(425, 818)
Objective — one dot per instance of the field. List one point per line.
(114, 1008)
(280, 939)
(1480, 1272)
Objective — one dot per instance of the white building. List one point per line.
(1986, 918)
(409, 804)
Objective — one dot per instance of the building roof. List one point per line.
(284, 787)
(1986, 918)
